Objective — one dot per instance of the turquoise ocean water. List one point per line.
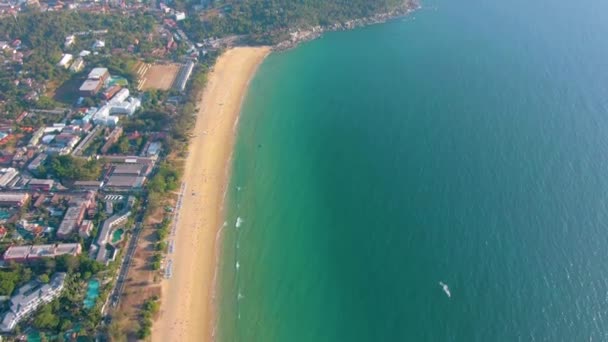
(466, 144)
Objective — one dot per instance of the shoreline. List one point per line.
(188, 301)
(300, 36)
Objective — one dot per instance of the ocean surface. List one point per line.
(466, 144)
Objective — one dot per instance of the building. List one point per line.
(125, 183)
(78, 65)
(88, 185)
(120, 96)
(17, 253)
(64, 143)
(130, 160)
(99, 74)
(69, 40)
(7, 175)
(37, 136)
(180, 16)
(104, 234)
(112, 139)
(110, 92)
(129, 170)
(37, 162)
(153, 149)
(29, 298)
(84, 231)
(65, 60)
(41, 184)
(127, 107)
(35, 252)
(72, 249)
(13, 199)
(90, 87)
(72, 219)
(98, 44)
(103, 117)
(183, 75)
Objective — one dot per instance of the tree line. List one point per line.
(265, 20)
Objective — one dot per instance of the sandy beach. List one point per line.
(188, 307)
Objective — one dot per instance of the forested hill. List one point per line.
(265, 18)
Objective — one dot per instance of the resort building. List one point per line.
(35, 252)
(29, 298)
(104, 234)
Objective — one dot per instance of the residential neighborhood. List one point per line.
(96, 108)
(82, 154)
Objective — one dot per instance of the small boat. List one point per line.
(446, 289)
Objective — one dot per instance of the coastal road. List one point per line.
(125, 265)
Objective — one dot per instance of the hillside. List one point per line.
(267, 20)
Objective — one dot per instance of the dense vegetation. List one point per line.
(43, 35)
(72, 168)
(264, 20)
(150, 308)
(63, 313)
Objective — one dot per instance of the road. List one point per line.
(125, 265)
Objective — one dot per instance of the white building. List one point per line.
(180, 16)
(103, 117)
(30, 297)
(126, 107)
(98, 74)
(121, 96)
(7, 175)
(65, 60)
(78, 65)
(69, 40)
(98, 44)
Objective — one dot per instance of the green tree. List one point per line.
(44, 278)
(46, 319)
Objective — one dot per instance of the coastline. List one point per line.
(188, 298)
(296, 37)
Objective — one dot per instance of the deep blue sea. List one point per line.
(465, 144)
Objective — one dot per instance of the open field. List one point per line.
(156, 76)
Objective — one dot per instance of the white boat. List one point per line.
(446, 289)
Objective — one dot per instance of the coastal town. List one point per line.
(84, 175)
(99, 164)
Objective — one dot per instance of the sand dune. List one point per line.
(188, 307)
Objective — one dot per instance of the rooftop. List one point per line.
(90, 85)
(126, 181)
(17, 252)
(97, 73)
